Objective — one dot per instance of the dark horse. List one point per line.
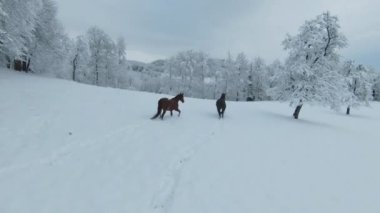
(221, 105)
(165, 104)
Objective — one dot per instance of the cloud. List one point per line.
(160, 28)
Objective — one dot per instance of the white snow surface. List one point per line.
(68, 147)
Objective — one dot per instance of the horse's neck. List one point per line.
(175, 99)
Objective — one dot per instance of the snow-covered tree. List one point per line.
(103, 56)
(229, 76)
(202, 72)
(187, 71)
(359, 85)
(3, 34)
(376, 88)
(169, 76)
(121, 50)
(258, 80)
(17, 22)
(216, 83)
(242, 68)
(272, 70)
(80, 60)
(235, 77)
(273, 77)
(311, 69)
(48, 51)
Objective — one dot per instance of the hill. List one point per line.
(68, 147)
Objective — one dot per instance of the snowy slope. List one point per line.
(67, 147)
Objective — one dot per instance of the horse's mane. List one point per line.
(178, 96)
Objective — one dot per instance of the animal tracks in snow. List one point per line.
(164, 197)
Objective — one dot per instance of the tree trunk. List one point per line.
(297, 111)
(348, 110)
(27, 69)
(75, 61)
(97, 78)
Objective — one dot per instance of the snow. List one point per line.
(68, 147)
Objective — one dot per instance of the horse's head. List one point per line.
(223, 96)
(180, 97)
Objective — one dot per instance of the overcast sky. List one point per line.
(156, 29)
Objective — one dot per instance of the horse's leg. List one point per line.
(171, 112)
(163, 113)
(179, 111)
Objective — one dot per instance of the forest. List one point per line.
(33, 40)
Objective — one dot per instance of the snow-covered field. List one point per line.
(67, 147)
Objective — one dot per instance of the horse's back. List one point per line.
(167, 104)
(220, 104)
(163, 100)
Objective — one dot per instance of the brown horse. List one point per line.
(221, 105)
(165, 104)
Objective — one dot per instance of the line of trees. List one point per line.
(33, 40)
(98, 60)
(31, 37)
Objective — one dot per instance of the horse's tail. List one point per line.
(158, 113)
